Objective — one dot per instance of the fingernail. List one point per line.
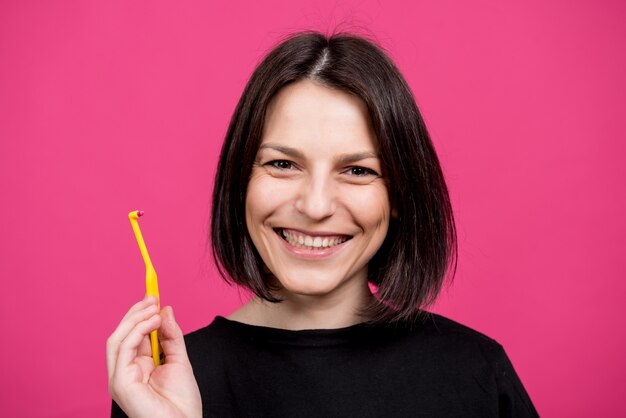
(168, 313)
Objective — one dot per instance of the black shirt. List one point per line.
(434, 368)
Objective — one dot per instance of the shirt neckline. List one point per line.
(305, 337)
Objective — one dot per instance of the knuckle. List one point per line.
(125, 343)
(110, 342)
(112, 391)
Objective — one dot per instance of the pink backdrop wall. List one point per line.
(106, 107)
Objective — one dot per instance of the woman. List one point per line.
(327, 184)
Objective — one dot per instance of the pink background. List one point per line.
(111, 106)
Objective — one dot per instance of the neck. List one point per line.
(296, 311)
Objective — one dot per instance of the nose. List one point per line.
(316, 198)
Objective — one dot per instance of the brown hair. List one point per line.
(420, 246)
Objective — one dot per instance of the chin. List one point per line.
(313, 285)
(308, 288)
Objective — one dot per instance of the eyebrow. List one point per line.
(342, 159)
(292, 152)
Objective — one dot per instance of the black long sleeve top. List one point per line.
(433, 368)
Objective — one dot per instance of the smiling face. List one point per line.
(317, 207)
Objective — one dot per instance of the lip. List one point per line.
(314, 233)
(310, 254)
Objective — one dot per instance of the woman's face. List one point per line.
(317, 207)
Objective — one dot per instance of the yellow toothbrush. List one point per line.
(152, 287)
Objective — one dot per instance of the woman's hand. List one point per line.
(135, 384)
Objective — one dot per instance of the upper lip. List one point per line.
(316, 233)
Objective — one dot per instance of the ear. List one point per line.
(394, 212)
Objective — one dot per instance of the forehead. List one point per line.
(308, 114)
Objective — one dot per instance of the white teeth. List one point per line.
(309, 242)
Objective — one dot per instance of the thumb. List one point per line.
(171, 338)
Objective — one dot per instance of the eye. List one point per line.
(280, 164)
(361, 171)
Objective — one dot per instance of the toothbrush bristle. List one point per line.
(140, 213)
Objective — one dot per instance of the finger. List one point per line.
(142, 304)
(145, 347)
(147, 300)
(171, 338)
(122, 331)
(128, 347)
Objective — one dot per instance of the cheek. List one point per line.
(370, 205)
(255, 205)
(264, 197)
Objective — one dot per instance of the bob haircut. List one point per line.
(420, 247)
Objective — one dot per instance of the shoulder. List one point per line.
(467, 358)
(201, 339)
(447, 339)
(209, 349)
(467, 349)
(437, 326)
(222, 337)
(452, 348)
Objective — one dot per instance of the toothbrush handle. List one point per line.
(152, 288)
(157, 350)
